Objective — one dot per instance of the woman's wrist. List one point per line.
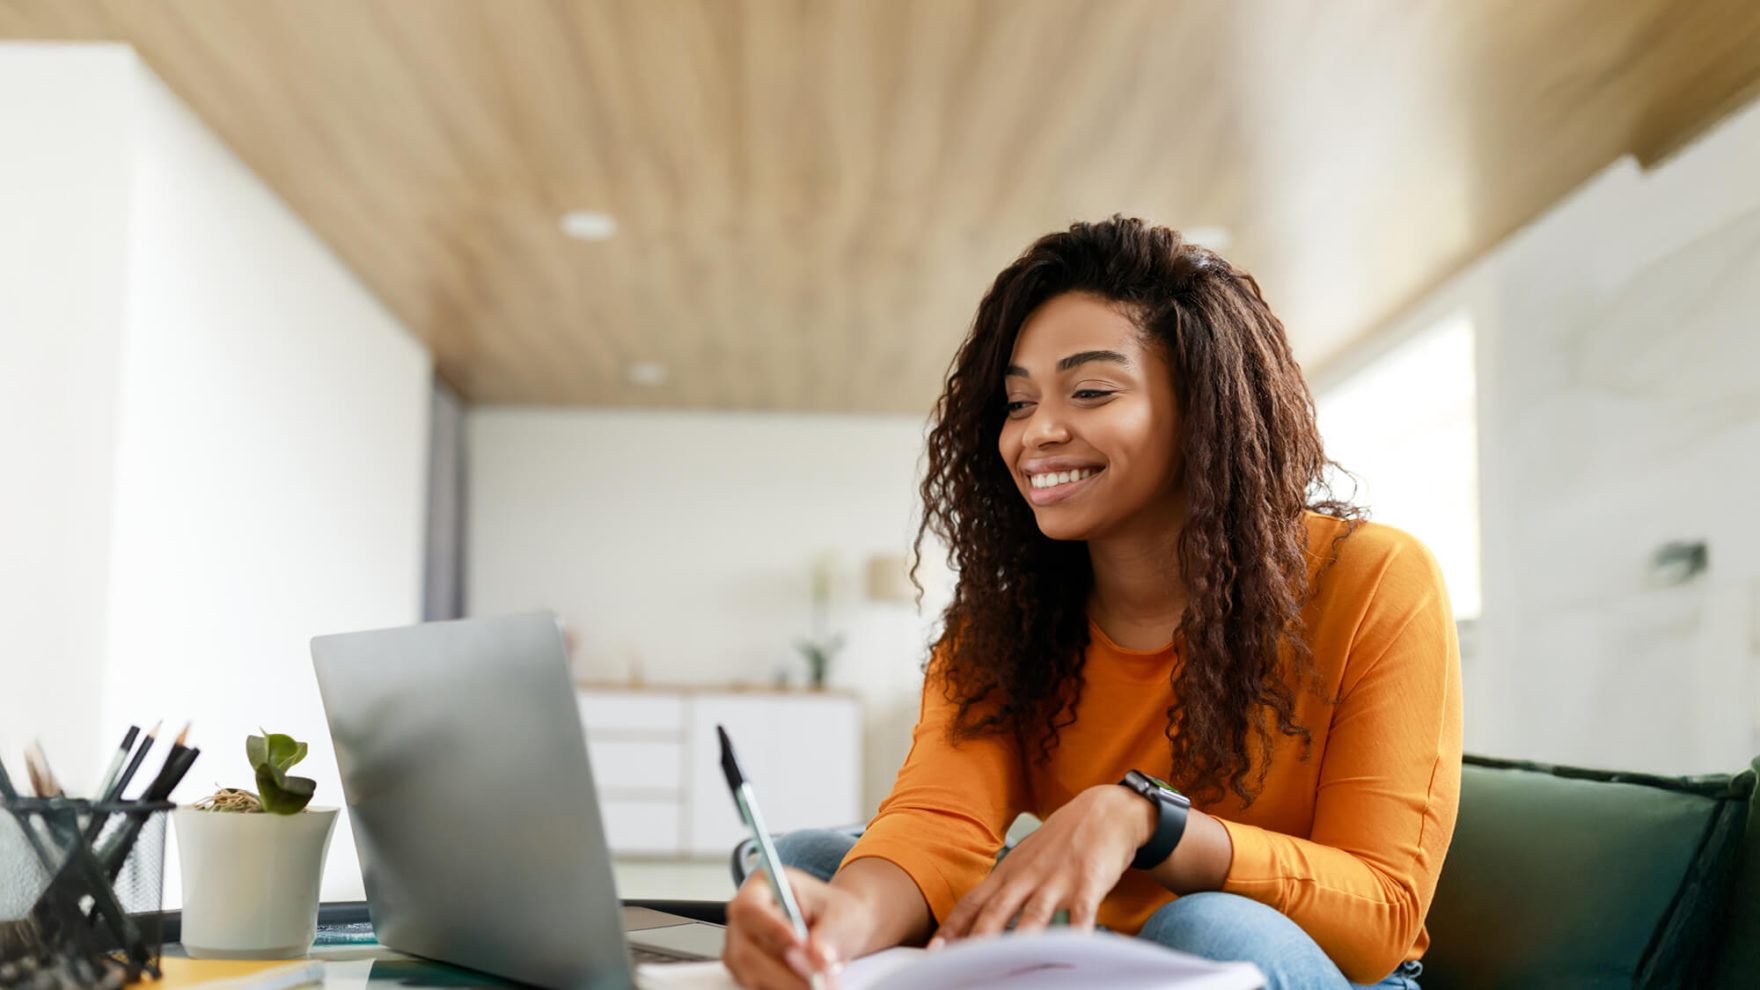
(1202, 859)
(1136, 814)
(896, 911)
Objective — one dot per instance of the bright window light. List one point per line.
(1405, 427)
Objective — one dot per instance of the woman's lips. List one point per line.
(1057, 493)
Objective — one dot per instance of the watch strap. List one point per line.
(1170, 821)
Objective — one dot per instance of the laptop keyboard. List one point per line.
(641, 955)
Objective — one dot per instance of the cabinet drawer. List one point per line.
(627, 712)
(637, 826)
(636, 765)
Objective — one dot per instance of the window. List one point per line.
(1404, 426)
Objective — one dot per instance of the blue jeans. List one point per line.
(1214, 925)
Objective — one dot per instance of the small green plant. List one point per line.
(271, 755)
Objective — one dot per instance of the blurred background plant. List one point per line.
(822, 646)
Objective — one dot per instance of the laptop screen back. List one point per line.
(465, 770)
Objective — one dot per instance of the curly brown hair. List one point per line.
(1016, 631)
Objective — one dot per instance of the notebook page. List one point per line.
(1059, 959)
(711, 975)
(1063, 959)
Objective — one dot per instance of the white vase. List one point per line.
(250, 881)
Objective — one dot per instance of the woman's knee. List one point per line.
(816, 850)
(1211, 924)
(1229, 927)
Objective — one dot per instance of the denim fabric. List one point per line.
(1213, 925)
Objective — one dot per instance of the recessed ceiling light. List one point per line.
(650, 374)
(1213, 237)
(588, 225)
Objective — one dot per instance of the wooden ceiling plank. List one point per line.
(56, 20)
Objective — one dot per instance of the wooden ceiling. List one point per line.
(812, 196)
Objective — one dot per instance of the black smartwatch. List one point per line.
(1170, 822)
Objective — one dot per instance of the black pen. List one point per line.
(747, 801)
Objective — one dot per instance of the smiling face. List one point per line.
(1092, 435)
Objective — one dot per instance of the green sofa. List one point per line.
(1566, 877)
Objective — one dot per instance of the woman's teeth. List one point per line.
(1053, 479)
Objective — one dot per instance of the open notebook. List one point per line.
(1056, 959)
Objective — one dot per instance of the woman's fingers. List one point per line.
(763, 948)
(1038, 910)
(754, 969)
(1028, 896)
(763, 951)
(1082, 910)
(994, 916)
(754, 914)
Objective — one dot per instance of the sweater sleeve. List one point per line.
(950, 807)
(1389, 784)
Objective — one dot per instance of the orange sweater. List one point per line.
(1348, 844)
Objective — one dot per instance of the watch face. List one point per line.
(1164, 785)
(1148, 784)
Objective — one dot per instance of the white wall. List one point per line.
(267, 468)
(272, 462)
(63, 223)
(683, 542)
(1619, 409)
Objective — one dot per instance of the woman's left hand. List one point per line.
(1069, 863)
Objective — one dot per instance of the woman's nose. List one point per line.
(1046, 427)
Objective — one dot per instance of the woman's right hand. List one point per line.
(762, 950)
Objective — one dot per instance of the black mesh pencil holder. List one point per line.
(81, 888)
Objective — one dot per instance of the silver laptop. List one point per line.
(465, 769)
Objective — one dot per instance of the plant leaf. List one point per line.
(281, 794)
(283, 750)
(256, 750)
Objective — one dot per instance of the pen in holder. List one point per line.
(81, 887)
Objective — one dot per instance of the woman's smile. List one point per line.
(1048, 485)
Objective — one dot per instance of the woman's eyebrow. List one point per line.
(1074, 360)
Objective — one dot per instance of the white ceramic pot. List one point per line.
(250, 881)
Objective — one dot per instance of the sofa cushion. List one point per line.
(1738, 958)
(1561, 876)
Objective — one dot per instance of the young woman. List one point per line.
(1153, 582)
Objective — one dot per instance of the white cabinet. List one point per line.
(656, 761)
(801, 753)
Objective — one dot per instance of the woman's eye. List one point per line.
(1017, 405)
(1092, 393)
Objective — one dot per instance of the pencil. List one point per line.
(115, 766)
(134, 764)
(36, 763)
(171, 774)
(153, 792)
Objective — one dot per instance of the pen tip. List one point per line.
(153, 733)
(184, 735)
